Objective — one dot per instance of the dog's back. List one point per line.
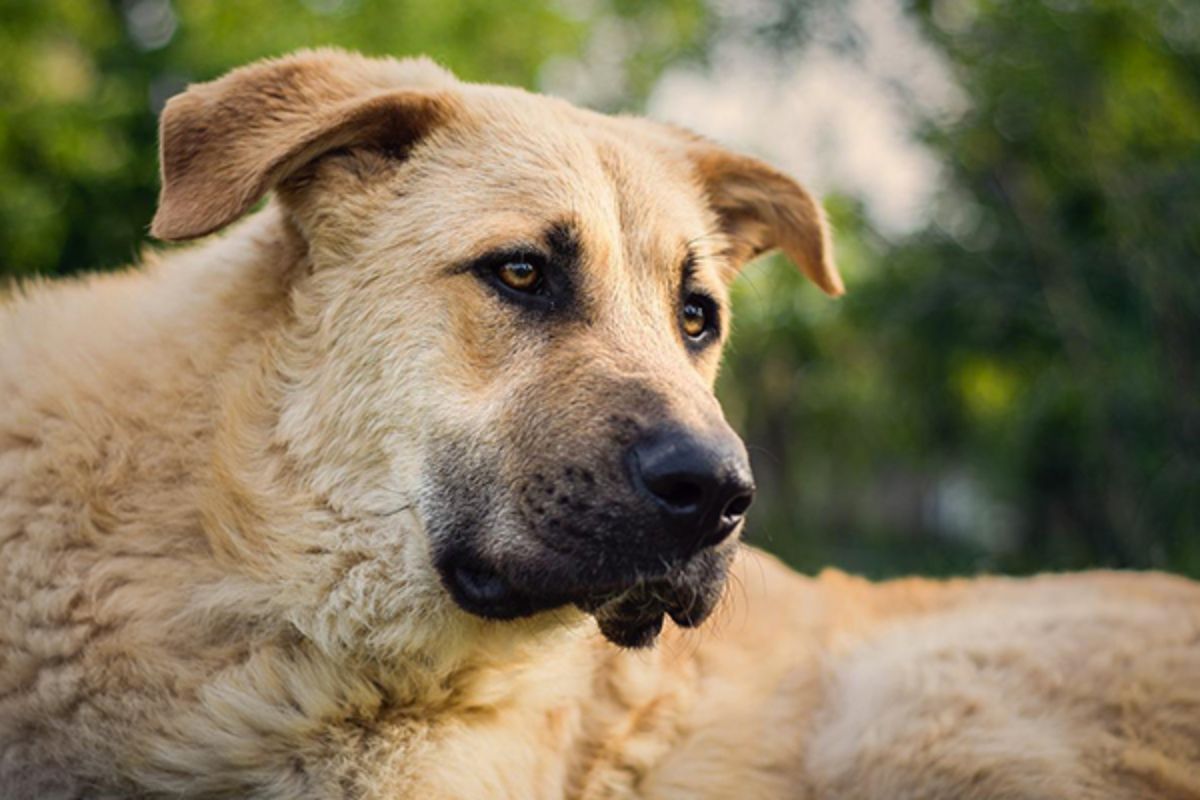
(1081, 686)
(1075, 686)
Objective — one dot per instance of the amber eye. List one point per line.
(695, 318)
(519, 276)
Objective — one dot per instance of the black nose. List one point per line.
(701, 484)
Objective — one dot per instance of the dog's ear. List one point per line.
(224, 144)
(761, 209)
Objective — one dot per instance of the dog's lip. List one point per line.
(481, 586)
(629, 614)
(487, 589)
(484, 592)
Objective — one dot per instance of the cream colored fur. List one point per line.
(214, 580)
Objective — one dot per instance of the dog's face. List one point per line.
(516, 315)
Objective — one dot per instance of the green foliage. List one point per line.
(1015, 387)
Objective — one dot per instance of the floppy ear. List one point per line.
(224, 144)
(762, 209)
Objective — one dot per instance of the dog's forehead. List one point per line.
(524, 161)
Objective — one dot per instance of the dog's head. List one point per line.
(511, 316)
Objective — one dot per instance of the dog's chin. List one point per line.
(629, 612)
(635, 617)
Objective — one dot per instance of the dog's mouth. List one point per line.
(630, 613)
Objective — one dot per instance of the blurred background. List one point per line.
(1013, 381)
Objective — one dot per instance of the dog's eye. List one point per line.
(520, 276)
(697, 316)
(694, 321)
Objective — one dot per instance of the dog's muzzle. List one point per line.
(649, 541)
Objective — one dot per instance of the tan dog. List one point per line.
(331, 506)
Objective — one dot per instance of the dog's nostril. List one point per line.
(737, 507)
(682, 495)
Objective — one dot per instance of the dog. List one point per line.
(391, 489)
